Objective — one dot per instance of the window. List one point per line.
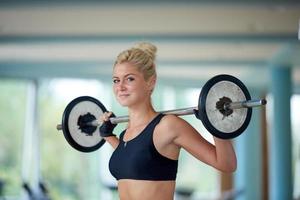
(12, 109)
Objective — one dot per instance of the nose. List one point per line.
(121, 86)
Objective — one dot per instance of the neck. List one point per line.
(141, 114)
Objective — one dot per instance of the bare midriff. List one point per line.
(146, 190)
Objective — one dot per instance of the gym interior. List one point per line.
(54, 51)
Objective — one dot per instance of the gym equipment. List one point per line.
(224, 107)
(76, 120)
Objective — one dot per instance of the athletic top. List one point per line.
(139, 159)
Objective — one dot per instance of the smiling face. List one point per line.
(130, 86)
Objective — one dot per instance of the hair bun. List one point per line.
(147, 47)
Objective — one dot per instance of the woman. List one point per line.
(146, 154)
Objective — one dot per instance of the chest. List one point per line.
(131, 133)
(159, 136)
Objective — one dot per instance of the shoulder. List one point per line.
(173, 124)
(169, 119)
(172, 120)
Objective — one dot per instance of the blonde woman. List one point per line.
(145, 157)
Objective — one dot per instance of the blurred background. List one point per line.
(54, 51)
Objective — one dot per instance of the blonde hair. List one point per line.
(142, 56)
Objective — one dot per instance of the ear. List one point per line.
(151, 83)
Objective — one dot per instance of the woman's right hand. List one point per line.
(106, 129)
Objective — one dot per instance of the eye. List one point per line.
(130, 79)
(116, 81)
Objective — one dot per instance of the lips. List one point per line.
(123, 95)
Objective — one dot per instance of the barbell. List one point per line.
(224, 107)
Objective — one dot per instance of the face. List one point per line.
(130, 86)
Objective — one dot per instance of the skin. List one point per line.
(170, 135)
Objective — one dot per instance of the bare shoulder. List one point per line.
(173, 124)
(170, 120)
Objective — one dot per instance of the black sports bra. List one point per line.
(139, 159)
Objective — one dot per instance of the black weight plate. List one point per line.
(225, 127)
(74, 136)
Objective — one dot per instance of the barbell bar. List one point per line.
(180, 112)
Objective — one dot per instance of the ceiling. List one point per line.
(195, 39)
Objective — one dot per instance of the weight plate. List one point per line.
(76, 138)
(224, 89)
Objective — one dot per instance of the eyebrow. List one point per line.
(130, 74)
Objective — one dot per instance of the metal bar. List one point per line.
(245, 104)
(121, 119)
(183, 111)
(59, 126)
(180, 112)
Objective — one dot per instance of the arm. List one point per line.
(225, 154)
(220, 156)
(106, 130)
(112, 140)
